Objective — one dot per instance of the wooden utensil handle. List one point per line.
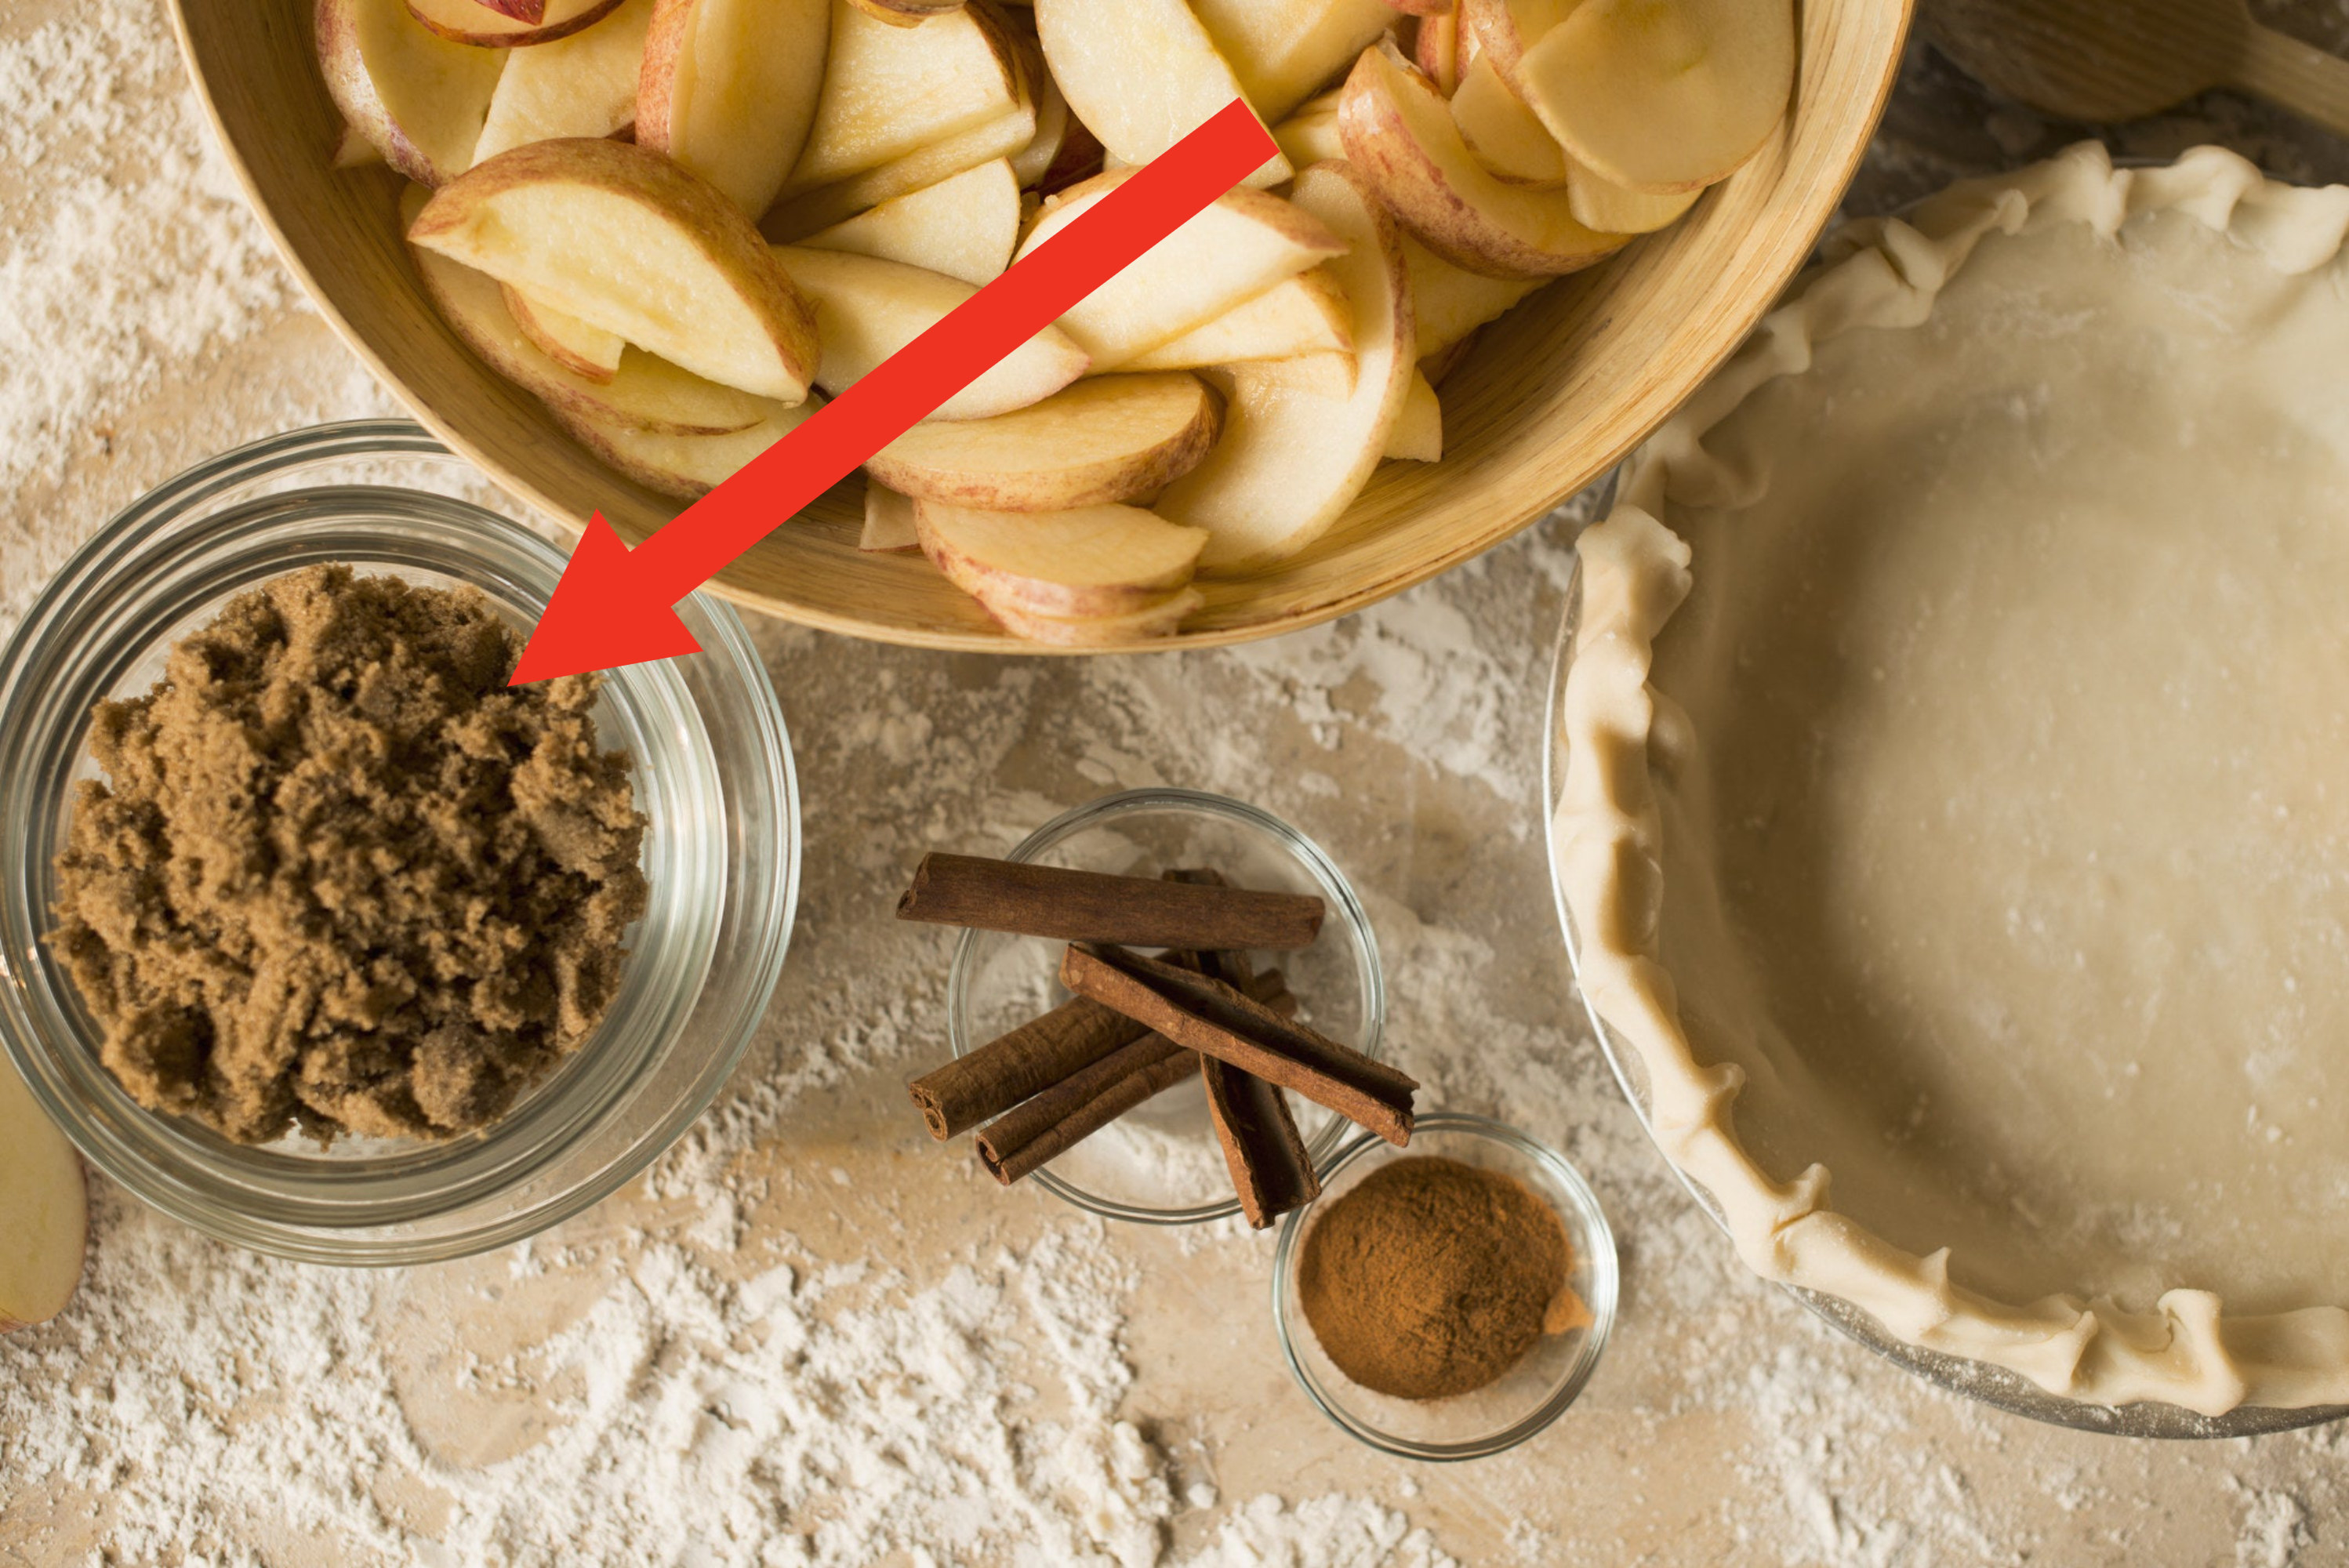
(2300, 77)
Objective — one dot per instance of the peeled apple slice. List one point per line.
(1663, 95)
(43, 1211)
(1600, 203)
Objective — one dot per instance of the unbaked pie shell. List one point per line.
(1633, 752)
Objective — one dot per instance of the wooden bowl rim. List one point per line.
(1351, 597)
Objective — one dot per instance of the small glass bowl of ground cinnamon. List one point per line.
(1449, 1300)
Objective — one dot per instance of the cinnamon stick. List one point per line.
(1217, 1020)
(974, 1090)
(981, 1086)
(1056, 1120)
(1271, 1171)
(1262, 1147)
(1050, 1124)
(1094, 906)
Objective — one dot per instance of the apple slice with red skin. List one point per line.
(470, 22)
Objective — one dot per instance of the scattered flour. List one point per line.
(130, 253)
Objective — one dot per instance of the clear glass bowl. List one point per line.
(1993, 1386)
(1530, 1395)
(1160, 1163)
(712, 770)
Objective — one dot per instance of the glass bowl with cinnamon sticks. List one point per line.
(1150, 1147)
(1449, 1300)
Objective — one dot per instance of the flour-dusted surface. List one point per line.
(815, 1337)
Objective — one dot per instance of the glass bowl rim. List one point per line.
(1325, 1144)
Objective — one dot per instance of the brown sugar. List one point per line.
(1430, 1278)
(340, 876)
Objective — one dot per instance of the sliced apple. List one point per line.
(472, 22)
(1080, 157)
(417, 98)
(1439, 365)
(1162, 618)
(965, 226)
(1418, 433)
(1311, 135)
(624, 239)
(1031, 162)
(521, 10)
(811, 211)
(866, 309)
(889, 92)
(888, 520)
(1108, 438)
(1505, 29)
(584, 85)
(1448, 303)
(1295, 450)
(1436, 51)
(1508, 138)
(905, 13)
(584, 350)
(1230, 252)
(1664, 97)
(46, 1202)
(354, 150)
(1283, 51)
(1142, 74)
(1600, 203)
(729, 90)
(1104, 559)
(1399, 131)
(687, 466)
(644, 391)
(1304, 314)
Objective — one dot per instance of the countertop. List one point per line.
(814, 1335)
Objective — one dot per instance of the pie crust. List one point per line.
(1957, 795)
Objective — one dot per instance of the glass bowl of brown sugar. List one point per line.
(1449, 1300)
(707, 762)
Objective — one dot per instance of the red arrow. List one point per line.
(614, 605)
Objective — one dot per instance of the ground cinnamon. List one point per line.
(1430, 1278)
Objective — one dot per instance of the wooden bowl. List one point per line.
(1576, 377)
